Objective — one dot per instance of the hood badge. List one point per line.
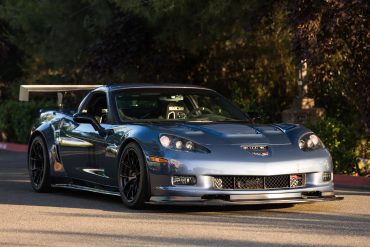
(256, 150)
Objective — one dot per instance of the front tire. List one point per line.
(39, 165)
(132, 177)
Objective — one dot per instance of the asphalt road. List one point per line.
(70, 218)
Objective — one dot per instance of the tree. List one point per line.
(126, 52)
(53, 35)
(240, 48)
(333, 37)
(10, 57)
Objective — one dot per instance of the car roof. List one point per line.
(115, 87)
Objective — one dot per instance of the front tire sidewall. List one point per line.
(142, 193)
(44, 185)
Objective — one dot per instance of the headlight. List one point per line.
(181, 144)
(309, 142)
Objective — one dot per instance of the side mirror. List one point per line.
(254, 116)
(86, 118)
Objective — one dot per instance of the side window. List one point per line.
(97, 107)
(208, 102)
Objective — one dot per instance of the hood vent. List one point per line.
(231, 130)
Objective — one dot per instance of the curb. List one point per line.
(353, 182)
(13, 147)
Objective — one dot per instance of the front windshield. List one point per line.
(175, 104)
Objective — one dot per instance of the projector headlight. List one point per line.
(310, 142)
(181, 144)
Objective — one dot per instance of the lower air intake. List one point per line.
(258, 182)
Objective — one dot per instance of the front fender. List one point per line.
(47, 133)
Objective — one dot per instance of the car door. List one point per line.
(82, 148)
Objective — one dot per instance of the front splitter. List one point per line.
(179, 200)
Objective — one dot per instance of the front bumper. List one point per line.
(229, 161)
(203, 193)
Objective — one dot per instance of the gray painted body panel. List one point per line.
(91, 160)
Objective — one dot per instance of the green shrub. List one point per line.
(341, 140)
(5, 126)
(16, 118)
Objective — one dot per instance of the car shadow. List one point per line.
(352, 192)
(15, 189)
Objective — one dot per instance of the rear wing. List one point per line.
(25, 90)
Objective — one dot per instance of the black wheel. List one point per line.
(38, 165)
(132, 177)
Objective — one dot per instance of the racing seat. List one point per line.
(176, 110)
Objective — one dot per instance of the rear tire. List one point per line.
(132, 177)
(39, 165)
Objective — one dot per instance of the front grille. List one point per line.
(258, 182)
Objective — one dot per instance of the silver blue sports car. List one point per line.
(172, 143)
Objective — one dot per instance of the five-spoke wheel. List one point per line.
(132, 177)
(38, 165)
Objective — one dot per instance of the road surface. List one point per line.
(70, 218)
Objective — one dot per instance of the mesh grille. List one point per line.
(258, 182)
(282, 181)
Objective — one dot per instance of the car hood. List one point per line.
(227, 133)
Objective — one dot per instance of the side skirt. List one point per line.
(85, 188)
